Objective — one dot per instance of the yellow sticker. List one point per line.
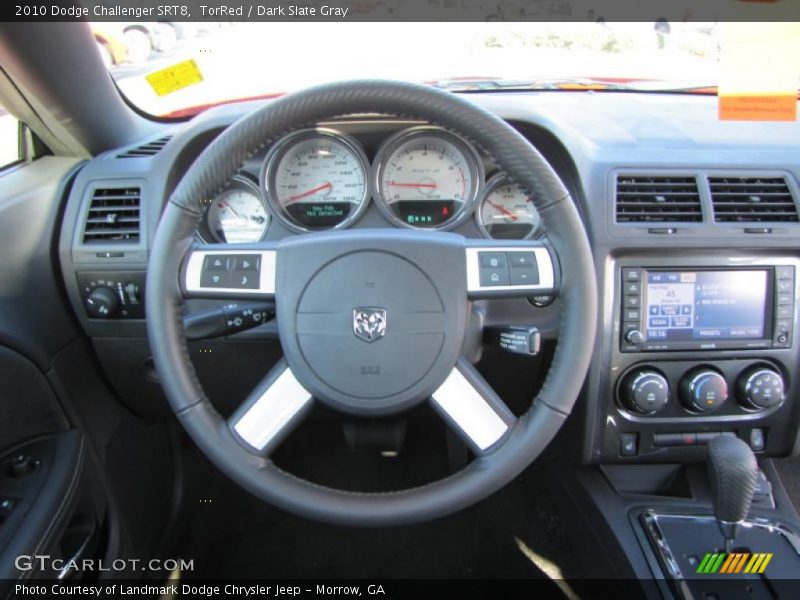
(760, 71)
(174, 78)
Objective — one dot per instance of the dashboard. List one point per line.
(693, 224)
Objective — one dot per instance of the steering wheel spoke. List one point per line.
(220, 271)
(497, 269)
(472, 409)
(274, 408)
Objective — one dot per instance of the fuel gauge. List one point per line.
(506, 212)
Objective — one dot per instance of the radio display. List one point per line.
(686, 306)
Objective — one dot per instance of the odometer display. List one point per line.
(316, 179)
(427, 178)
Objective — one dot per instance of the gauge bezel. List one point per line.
(495, 181)
(281, 147)
(237, 182)
(474, 163)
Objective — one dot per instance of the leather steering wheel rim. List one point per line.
(208, 175)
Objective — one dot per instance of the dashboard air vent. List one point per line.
(752, 200)
(148, 149)
(657, 199)
(113, 216)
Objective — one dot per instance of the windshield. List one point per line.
(172, 69)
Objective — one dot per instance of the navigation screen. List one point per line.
(705, 305)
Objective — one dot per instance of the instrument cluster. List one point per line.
(320, 178)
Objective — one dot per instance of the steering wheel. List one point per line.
(371, 321)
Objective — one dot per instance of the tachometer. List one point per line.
(316, 179)
(237, 216)
(506, 212)
(427, 177)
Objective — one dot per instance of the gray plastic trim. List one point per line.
(194, 269)
(544, 264)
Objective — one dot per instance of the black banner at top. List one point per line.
(402, 10)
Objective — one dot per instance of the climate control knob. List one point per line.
(703, 390)
(759, 388)
(102, 303)
(645, 391)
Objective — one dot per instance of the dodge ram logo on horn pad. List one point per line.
(369, 324)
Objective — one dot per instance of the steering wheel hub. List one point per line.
(372, 323)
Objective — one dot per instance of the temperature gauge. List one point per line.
(506, 212)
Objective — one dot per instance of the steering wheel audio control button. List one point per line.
(493, 260)
(524, 276)
(493, 277)
(522, 260)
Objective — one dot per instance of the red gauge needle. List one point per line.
(310, 192)
(503, 210)
(230, 208)
(417, 185)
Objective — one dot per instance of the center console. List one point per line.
(703, 345)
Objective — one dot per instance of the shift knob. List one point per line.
(733, 471)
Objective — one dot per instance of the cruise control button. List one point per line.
(247, 280)
(494, 277)
(215, 279)
(215, 263)
(524, 276)
(522, 259)
(493, 260)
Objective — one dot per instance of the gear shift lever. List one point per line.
(733, 471)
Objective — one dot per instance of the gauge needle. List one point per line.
(230, 208)
(417, 185)
(503, 210)
(310, 192)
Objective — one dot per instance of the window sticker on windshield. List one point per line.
(174, 78)
(760, 76)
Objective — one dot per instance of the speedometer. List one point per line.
(316, 179)
(506, 212)
(427, 177)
